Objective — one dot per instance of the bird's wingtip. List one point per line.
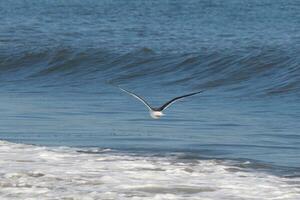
(114, 85)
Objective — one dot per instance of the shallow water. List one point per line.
(68, 173)
(60, 60)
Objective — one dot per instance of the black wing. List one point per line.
(138, 97)
(176, 99)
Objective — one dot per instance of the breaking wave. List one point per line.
(268, 71)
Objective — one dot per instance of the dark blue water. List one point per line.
(58, 60)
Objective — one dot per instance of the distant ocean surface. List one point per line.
(67, 133)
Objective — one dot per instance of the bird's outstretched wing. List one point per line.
(138, 97)
(163, 107)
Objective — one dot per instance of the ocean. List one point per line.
(66, 131)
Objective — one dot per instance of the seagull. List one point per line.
(156, 113)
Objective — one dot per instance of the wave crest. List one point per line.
(267, 71)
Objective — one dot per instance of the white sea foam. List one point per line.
(31, 172)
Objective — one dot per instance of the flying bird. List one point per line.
(156, 113)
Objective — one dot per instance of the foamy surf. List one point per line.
(34, 172)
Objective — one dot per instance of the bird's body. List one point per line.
(156, 113)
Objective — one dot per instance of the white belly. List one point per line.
(156, 114)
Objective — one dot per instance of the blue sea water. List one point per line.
(59, 60)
